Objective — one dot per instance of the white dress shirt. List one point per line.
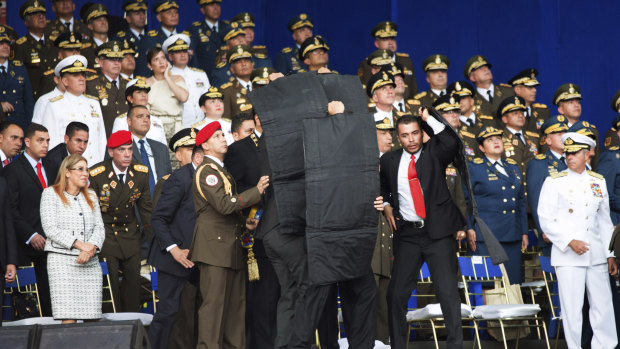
(483, 92)
(149, 153)
(217, 161)
(2, 158)
(398, 104)
(137, 33)
(212, 25)
(246, 85)
(438, 92)
(167, 32)
(513, 131)
(380, 115)
(499, 167)
(119, 172)
(471, 117)
(99, 42)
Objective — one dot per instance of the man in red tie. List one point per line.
(11, 138)
(26, 178)
(423, 219)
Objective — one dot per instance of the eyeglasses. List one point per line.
(79, 169)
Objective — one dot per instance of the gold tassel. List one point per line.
(253, 274)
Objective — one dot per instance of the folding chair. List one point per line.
(153, 272)
(26, 283)
(481, 270)
(107, 285)
(553, 296)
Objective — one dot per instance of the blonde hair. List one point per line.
(61, 179)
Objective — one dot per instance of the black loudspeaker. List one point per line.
(18, 337)
(103, 334)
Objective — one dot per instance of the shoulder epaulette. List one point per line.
(486, 117)
(57, 98)
(18, 63)
(467, 134)
(287, 50)
(221, 65)
(198, 124)
(196, 69)
(51, 71)
(152, 32)
(141, 168)
(92, 77)
(87, 44)
(403, 113)
(122, 116)
(539, 105)
(371, 105)
(21, 40)
(165, 177)
(559, 174)
(196, 24)
(121, 34)
(532, 134)
(185, 32)
(477, 161)
(91, 97)
(420, 95)
(260, 56)
(223, 48)
(541, 156)
(614, 148)
(593, 126)
(505, 85)
(97, 171)
(595, 175)
(413, 102)
(511, 161)
(402, 54)
(226, 85)
(259, 46)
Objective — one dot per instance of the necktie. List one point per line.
(563, 160)
(41, 41)
(147, 163)
(518, 135)
(416, 190)
(442, 93)
(68, 25)
(400, 106)
(3, 70)
(215, 28)
(5, 163)
(141, 36)
(121, 179)
(470, 122)
(114, 85)
(500, 167)
(490, 96)
(40, 175)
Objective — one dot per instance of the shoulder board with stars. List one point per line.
(467, 134)
(511, 161)
(505, 85)
(532, 134)
(196, 69)
(614, 148)
(121, 34)
(49, 72)
(402, 54)
(559, 174)
(198, 124)
(539, 105)
(166, 177)
(413, 102)
(595, 175)
(196, 24)
(141, 168)
(541, 156)
(21, 40)
(152, 32)
(97, 171)
(287, 50)
(477, 161)
(122, 116)
(420, 95)
(92, 77)
(371, 105)
(185, 32)
(18, 63)
(221, 65)
(260, 56)
(226, 85)
(259, 46)
(91, 97)
(57, 98)
(486, 117)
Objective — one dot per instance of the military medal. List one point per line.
(104, 102)
(596, 190)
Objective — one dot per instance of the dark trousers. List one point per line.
(43, 284)
(184, 333)
(328, 326)
(169, 288)
(413, 247)
(382, 328)
(126, 295)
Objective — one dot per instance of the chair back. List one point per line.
(551, 285)
(107, 284)
(478, 272)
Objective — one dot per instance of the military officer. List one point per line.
(247, 22)
(574, 214)
(74, 105)
(287, 61)
(436, 69)
(611, 137)
(496, 185)
(207, 35)
(216, 248)
(222, 73)
(260, 77)
(212, 106)
(469, 124)
(65, 21)
(121, 184)
(128, 64)
(400, 91)
(35, 50)
(13, 36)
(543, 165)
(235, 92)
(97, 18)
(380, 90)
(384, 34)
(167, 13)
(109, 87)
(378, 60)
(525, 86)
(135, 14)
(609, 167)
(587, 129)
(487, 95)
(235, 35)
(315, 53)
(519, 145)
(16, 99)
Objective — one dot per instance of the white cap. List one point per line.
(574, 142)
(179, 42)
(77, 63)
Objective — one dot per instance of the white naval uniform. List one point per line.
(156, 131)
(66, 108)
(41, 105)
(225, 128)
(575, 206)
(197, 84)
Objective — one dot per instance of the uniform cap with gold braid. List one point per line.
(136, 84)
(212, 93)
(380, 79)
(384, 124)
(129, 48)
(554, 124)
(239, 52)
(111, 49)
(461, 88)
(582, 127)
(119, 138)
(68, 40)
(310, 44)
(616, 122)
(525, 78)
(31, 6)
(436, 62)
(5, 37)
(509, 104)
(95, 11)
(176, 43)
(474, 63)
(380, 57)
(615, 101)
(260, 76)
(207, 2)
(447, 103)
(235, 29)
(245, 18)
(164, 5)
(207, 132)
(566, 92)
(134, 5)
(71, 64)
(394, 69)
(184, 138)
(300, 21)
(487, 132)
(384, 30)
(574, 142)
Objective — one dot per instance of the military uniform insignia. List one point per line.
(486, 117)
(469, 151)
(595, 175)
(541, 156)
(420, 95)
(211, 180)
(152, 32)
(21, 40)
(113, 184)
(141, 168)
(615, 147)
(165, 178)
(130, 184)
(558, 174)
(607, 141)
(97, 171)
(511, 161)
(478, 161)
(402, 54)
(450, 171)
(596, 190)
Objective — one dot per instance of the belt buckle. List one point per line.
(418, 224)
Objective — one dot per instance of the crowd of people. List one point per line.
(142, 146)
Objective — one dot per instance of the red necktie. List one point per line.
(416, 190)
(40, 175)
(5, 162)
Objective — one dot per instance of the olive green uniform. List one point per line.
(364, 72)
(111, 99)
(382, 268)
(38, 59)
(235, 96)
(518, 151)
(484, 107)
(540, 114)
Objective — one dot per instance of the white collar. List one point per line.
(246, 85)
(117, 171)
(2, 156)
(69, 21)
(513, 131)
(573, 173)
(483, 91)
(32, 161)
(110, 80)
(494, 161)
(211, 24)
(167, 32)
(407, 154)
(464, 118)
(438, 92)
(5, 65)
(217, 161)
(99, 42)
(128, 77)
(258, 134)
(36, 38)
(137, 33)
(557, 155)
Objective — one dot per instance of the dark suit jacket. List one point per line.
(270, 219)
(53, 159)
(242, 163)
(173, 220)
(8, 243)
(25, 197)
(443, 218)
(161, 154)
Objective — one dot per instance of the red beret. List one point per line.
(207, 132)
(119, 138)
